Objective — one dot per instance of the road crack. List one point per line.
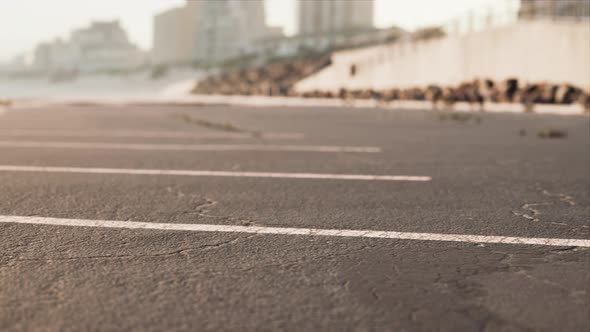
(203, 210)
(531, 211)
(218, 126)
(569, 200)
(183, 251)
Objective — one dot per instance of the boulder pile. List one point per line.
(275, 79)
(279, 79)
(474, 92)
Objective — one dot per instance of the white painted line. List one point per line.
(142, 134)
(297, 231)
(125, 171)
(188, 147)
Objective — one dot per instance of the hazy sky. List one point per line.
(23, 23)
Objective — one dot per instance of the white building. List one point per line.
(56, 56)
(18, 64)
(42, 57)
(103, 46)
(64, 57)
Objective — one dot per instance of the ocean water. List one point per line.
(100, 86)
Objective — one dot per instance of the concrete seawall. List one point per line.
(534, 51)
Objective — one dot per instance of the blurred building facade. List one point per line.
(532, 9)
(325, 17)
(42, 56)
(332, 24)
(227, 28)
(174, 35)
(210, 31)
(103, 46)
(213, 32)
(18, 64)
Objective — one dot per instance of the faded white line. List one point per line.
(125, 171)
(298, 231)
(189, 147)
(142, 134)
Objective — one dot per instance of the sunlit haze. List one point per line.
(315, 165)
(28, 22)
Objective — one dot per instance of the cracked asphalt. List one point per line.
(487, 179)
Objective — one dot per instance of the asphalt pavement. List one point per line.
(266, 218)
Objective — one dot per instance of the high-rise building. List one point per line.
(554, 8)
(209, 31)
(331, 16)
(228, 28)
(174, 35)
(42, 57)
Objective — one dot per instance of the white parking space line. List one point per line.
(144, 134)
(298, 231)
(189, 147)
(125, 171)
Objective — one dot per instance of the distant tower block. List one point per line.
(321, 17)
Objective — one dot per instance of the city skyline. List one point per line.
(138, 20)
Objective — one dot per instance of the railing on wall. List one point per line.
(504, 12)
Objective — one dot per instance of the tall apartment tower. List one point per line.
(228, 27)
(329, 16)
(208, 31)
(174, 38)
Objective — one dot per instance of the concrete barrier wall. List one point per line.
(532, 51)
